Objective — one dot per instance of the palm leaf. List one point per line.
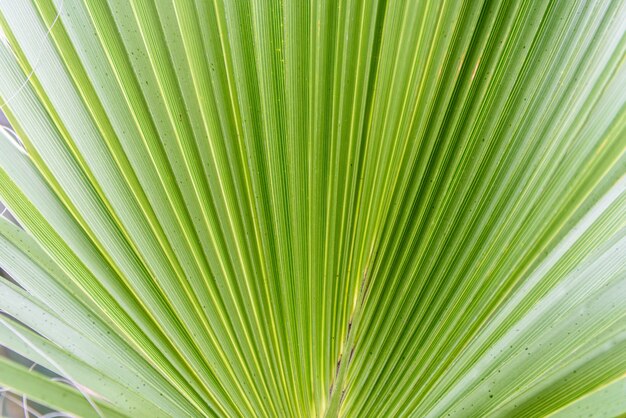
(263, 208)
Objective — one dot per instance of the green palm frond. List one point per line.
(323, 208)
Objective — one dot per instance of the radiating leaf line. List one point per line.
(280, 208)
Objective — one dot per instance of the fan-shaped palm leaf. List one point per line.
(315, 208)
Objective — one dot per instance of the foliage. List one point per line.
(324, 208)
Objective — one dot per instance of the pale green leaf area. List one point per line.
(323, 208)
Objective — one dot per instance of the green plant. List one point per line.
(288, 208)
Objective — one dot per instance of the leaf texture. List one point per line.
(323, 208)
